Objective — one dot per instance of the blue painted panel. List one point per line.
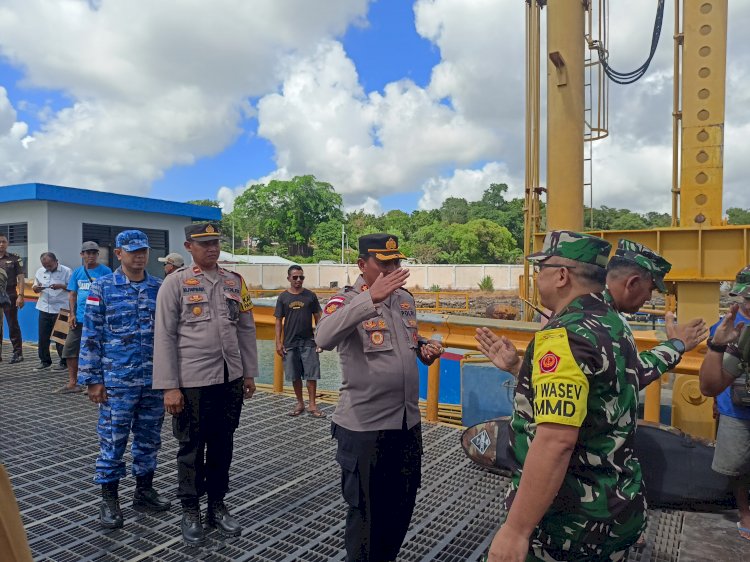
(486, 393)
(45, 192)
(28, 319)
(450, 381)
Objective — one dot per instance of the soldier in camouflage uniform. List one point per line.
(577, 491)
(116, 357)
(633, 273)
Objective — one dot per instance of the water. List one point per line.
(330, 370)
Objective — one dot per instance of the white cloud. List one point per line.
(152, 84)
(469, 184)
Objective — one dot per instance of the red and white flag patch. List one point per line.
(92, 301)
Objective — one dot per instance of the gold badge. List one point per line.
(192, 281)
(364, 288)
(331, 308)
(195, 298)
(405, 306)
(369, 324)
(413, 323)
(197, 310)
(391, 244)
(381, 324)
(210, 229)
(229, 283)
(376, 338)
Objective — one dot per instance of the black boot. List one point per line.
(110, 514)
(146, 498)
(218, 516)
(192, 528)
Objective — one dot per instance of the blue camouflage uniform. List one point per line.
(117, 348)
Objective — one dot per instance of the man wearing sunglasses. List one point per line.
(577, 491)
(295, 309)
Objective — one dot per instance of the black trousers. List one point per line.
(11, 316)
(205, 431)
(46, 324)
(381, 472)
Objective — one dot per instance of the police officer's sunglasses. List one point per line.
(298, 277)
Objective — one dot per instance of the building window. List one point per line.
(18, 241)
(105, 235)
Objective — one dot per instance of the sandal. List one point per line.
(316, 413)
(744, 532)
(296, 412)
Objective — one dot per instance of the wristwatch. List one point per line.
(678, 344)
(715, 346)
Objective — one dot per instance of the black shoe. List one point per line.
(192, 528)
(17, 358)
(110, 514)
(146, 498)
(218, 516)
(60, 367)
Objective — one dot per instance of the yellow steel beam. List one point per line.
(703, 90)
(707, 254)
(565, 114)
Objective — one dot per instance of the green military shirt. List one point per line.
(582, 370)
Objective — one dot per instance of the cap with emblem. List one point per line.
(174, 259)
(573, 246)
(131, 240)
(646, 258)
(742, 284)
(88, 246)
(382, 246)
(202, 232)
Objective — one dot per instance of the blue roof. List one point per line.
(75, 196)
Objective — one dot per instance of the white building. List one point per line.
(38, 218)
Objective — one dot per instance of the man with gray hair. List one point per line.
(51, 284)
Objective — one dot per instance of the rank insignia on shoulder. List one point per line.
(196, 269)
(377, 338)
(364, 288)
(549, 362)
(197, 310)
(192, 281)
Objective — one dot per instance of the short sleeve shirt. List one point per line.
(297, 312)
(81, 284)
(13, 267)
(724, 400)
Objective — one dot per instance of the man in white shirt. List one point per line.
(51, 284)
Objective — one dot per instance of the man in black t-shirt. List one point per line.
(295, 309)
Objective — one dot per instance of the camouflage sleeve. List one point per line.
(90, 370)
(732, 363)
(653, 363)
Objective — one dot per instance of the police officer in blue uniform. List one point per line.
(116, 363)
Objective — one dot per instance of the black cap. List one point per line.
(202, 231)
(382, 246)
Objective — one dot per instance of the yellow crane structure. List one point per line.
(702, 250)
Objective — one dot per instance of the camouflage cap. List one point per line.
(573, 246)
(646, 258)
(131, 240)
(742, 284)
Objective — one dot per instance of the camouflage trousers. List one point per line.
(140, 410)
(538, 554)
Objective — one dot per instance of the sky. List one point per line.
(398, 104)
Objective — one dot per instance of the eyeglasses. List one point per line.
(539, 266)
(298, 277)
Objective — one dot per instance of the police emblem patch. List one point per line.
(195, 298)
(481, 441)
(229, 283)
(549, 362)
(192, 281)
(197, 310)
(376, 338)
(364, 287)
(381, 324)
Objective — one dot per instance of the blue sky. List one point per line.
(398, 104)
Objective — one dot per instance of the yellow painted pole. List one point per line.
(652, 403)
(433, 390)
(278, 374)
(565, 107)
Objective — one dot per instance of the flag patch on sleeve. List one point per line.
(92, 301)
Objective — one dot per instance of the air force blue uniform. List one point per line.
(117, 348)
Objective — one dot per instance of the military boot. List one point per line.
(110, 514)
(146, 498)
(218, 516)
(192, 528)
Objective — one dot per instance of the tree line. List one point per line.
(303, 218)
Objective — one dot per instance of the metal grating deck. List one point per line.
(284, 488)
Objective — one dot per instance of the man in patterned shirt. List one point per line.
(577, 491)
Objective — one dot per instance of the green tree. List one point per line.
(477, 241)
(204, 202)
(289, 211)
(738, 216)
(494, 196)
(454, 210)
(658, 220)
(629, 221)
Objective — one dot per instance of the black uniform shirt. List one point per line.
(13, 267)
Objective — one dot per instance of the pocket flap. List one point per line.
(347, 460)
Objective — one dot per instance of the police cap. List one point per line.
(382, 246)
(202, 232)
